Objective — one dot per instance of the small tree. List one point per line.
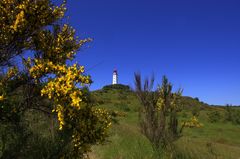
(158, 120)
(159, 113)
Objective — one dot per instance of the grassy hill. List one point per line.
(219, 139)
(122, 98)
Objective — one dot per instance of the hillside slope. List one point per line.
(121, 97)
(214, 140)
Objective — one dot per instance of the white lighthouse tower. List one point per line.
(115, 77)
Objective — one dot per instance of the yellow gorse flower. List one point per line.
(1, 98)
(19, 20)
(63, 86)
(193, 122)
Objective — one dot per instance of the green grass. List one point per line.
(220, 140)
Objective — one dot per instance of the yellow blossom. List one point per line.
(1, 97)
(19, 19)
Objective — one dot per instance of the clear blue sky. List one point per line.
(196, 43)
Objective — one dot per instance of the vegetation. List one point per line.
(47, 111)
(158, 116)
(44, 84)
(213, 140)
(214, 116)
(232, 114)
(117, 87)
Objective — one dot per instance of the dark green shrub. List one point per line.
(214, 116)
(197, 99)
(232, 115)
(196, 111)
(116, 87)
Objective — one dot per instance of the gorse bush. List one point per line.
(44, 81)
(159, 114)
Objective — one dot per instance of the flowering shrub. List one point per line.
(159, 120)
(87, 124)
(192, 123)
(33, 26)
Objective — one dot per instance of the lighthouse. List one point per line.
(115, 77)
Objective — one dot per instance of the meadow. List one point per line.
(215, 140)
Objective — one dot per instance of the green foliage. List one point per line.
(21, 140)
(214, 116)
(196, 111)
(44, 82)
(193, 103)
(20, 20)
(197, 99)
(124, 88)
(232, 115)
(158, 113)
